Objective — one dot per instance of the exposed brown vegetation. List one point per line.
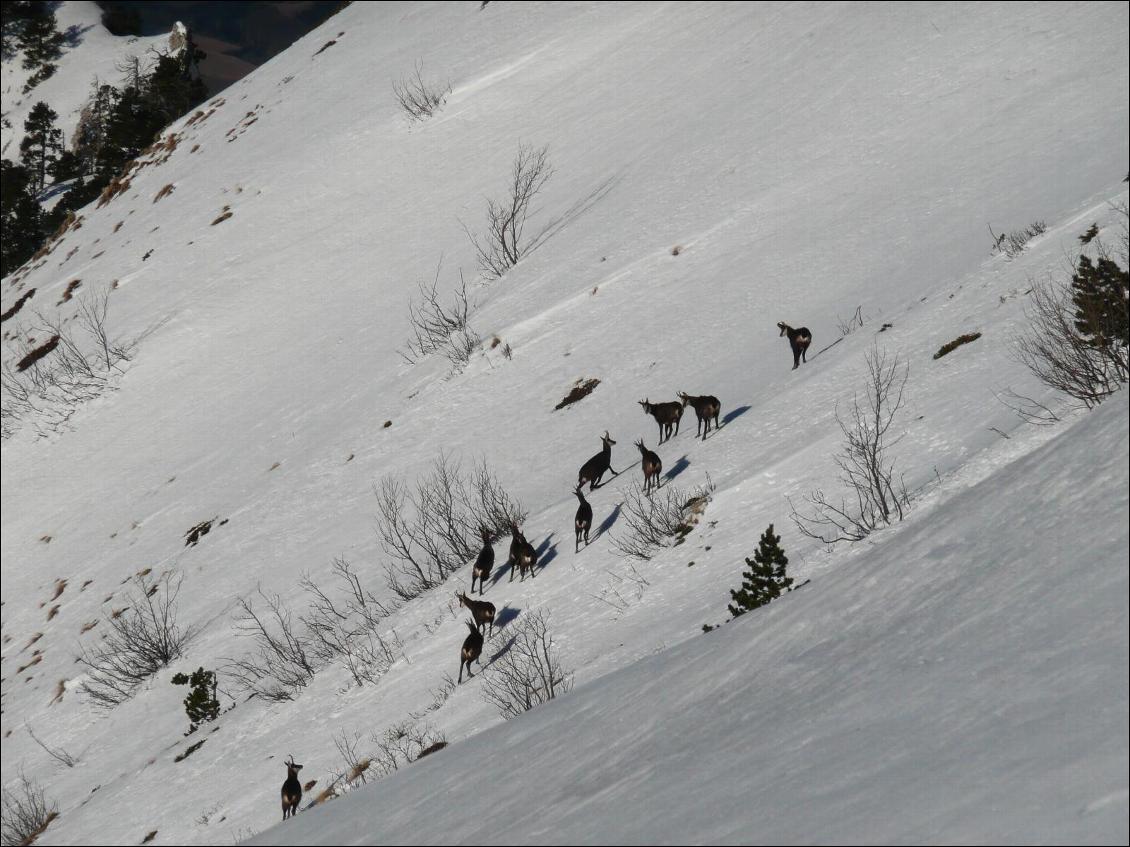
(19, 304)
(37, 353)
(225, 214)
(60, 587)
(54, 610)
(164, 192)
(957, 342)
(326, 46)
(581, 389)
(60, 690)
(118, 185)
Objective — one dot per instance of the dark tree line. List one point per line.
(117, 124)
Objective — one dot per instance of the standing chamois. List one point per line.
(472, 649)
(485, 562)
(706, 407)
(598, 465)
(667, 415)
(583, 522)
(799, 339)
(481, 611)
(291, 789)
(651, 465)
(523, 556)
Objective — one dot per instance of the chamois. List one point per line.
(484, 563)
(481, 611)
(291, 789)
(522, 554)
(799, 339)
(472, 649)
(706, 407)
(651, 465)
(582, 523)
(598, 465)
(667, 415)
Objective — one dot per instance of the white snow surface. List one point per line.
(91, 53)
(961, 677)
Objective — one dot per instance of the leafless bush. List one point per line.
(529, 672)
(347, 628)
(402, 744)
(282, 664)
(437, 328)
(504, 244)
(1057, 347)
(875, 496)
(433, 530)
(851, 324)
(79, 368)
(418, 99)
(57, 753)
(650, 522)
(1012, 243)
(139, 642)
(27, 813)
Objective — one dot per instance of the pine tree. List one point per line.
(1099, 291)
(764, 579)
(38, 38)
(201, 704)
(22, 217)
(42, 143)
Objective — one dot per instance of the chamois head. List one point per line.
(784, 327)
(607, 439)
(291, 768)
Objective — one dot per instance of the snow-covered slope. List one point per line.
(90, 53)
(961, 684)
(806, 160)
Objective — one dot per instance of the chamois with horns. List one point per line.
(652, 466)
(291, 789)
(484, 563)
(481, 610)
(799, 339)
(667, 415)
(523, 556)
(472, 649)
(598, 465)
(582, 523)
(706, 408)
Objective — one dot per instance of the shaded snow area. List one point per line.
(90, 53)
(717, 168)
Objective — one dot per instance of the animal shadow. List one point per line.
(735, 413)
(607, 523)
(504, 616)
(546, 552)
(681, 465)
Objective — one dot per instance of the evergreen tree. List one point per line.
(764, 579)
(1099, 291)
(42, 143)
(12, 17)
(38, 37)
(22, 217)
(201, 704)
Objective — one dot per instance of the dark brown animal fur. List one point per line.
(667, 415)
(472, 649)
(291, 789)
(706, 408)
(799, 339)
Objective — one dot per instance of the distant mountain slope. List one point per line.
(717, 168)
(91, 53)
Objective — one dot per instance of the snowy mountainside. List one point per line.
(905, 700)
(805, 160)
(91, 52)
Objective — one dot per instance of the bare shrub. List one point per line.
(1076, 341)
(875, 496)
(282, 664)
(433, 530)
(138, 643)
(650, 522)
(504, 244)
(849, 325)
(57, 753)
(530, 672)
(48, 389)
(341, 623)
(1012, 243)
(418, 99)
(27, 813)
(436, 328)
(347, 628)
(387, 752)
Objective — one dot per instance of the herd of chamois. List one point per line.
(523, 555)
